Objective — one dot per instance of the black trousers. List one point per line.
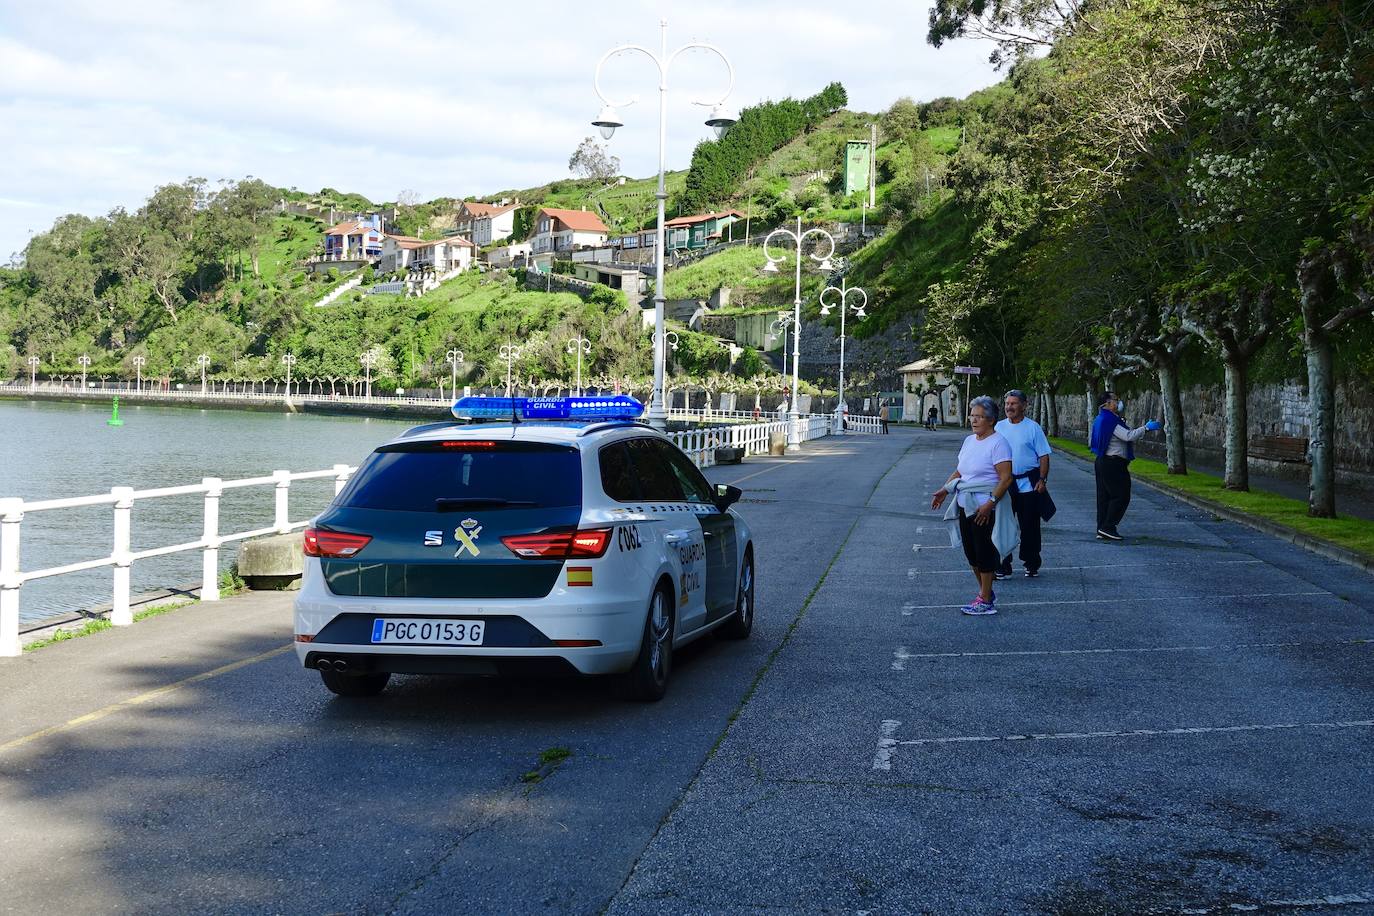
(978, 548)
(1113, 490)
(1027, 509)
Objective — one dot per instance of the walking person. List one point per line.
(978, 516)
(931, 416)
(1112, 441)
(1030, 469)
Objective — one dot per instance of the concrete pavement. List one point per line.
(1179, 722)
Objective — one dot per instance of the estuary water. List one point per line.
(51, 450)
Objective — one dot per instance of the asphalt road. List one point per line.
(1182, 721)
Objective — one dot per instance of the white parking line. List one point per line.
(1200, 560)
(1114, 600)
(901, 655)
(888, 743)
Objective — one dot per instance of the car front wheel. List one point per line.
(648, 679)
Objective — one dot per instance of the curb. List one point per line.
(1283, 532)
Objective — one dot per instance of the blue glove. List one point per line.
(1152, 425)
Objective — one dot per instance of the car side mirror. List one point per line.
(727, 496)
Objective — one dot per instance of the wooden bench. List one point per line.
(1280, 448)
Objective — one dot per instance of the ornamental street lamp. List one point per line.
(368, 360)
(844, 292)
(454, 358)
(720, 119)
(579, 345)
(85, 361)
(139, 363)
(510, 353)
(203, 360)
(289, 359)
(33, 371)
(780, 326)
(798, 238)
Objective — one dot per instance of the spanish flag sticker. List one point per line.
(579, 575)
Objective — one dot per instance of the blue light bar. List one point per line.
(617, 407)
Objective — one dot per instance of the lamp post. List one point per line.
(510, 353)
(780, 326)
(579, 345)
(608, 120)
(203, 360)
(33, 371)
(85, 361)
(368, 360)
(844, 291)
(139, 363)
(798, 238)
(454, 358)
(289, 360)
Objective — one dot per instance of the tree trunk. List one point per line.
(1237, 425)
(1176, 456)
(1321, 406)
(1052, 410)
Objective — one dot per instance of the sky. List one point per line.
(101, 102)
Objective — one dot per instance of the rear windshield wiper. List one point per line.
(458, 503)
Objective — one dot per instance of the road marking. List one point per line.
(1356, 899)
(901, 655)
(888, 743)
(1152, 598)
(771, 467)
(142, 698)
(1200, 560)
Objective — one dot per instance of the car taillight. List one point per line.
(560, 545)
(335, 544)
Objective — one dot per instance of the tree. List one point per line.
(591, 160)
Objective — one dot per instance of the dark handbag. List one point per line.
(1045, 506)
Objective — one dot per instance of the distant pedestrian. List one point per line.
(932, 416)
(1030, 469)
(985, 525)
(1112, 441)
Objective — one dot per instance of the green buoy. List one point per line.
(114, 416)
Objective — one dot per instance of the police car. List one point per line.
(556, 536)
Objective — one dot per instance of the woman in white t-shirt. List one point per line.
(980, 480)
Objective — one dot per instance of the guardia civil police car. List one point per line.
(561, 536)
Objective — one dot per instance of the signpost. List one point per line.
(967, 372)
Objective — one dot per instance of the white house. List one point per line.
(925, 385)
(561, 231)
(401, 252)
(506, 255)
(494, 226)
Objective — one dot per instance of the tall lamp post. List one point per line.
(139, 363)
(289, 360)
(608, 120)
(780, 326)
(454, 358)
(664, 341)
(510, 353)
(368, 360)
(203, 360)
(842, 294)
(798, 238)
(85, 362)
(580, 346)
(33, 371)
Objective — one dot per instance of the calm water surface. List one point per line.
(53, 450)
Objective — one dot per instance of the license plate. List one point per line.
(427, 631)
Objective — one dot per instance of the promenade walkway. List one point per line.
(1181, 721)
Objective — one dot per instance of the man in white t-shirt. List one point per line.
(1030, 469)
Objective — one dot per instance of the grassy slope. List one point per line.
(1350, 533)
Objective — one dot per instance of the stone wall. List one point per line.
(1275, 410)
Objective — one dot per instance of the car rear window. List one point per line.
(415, 477)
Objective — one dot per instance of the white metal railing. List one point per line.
(122, 558)
(862, 424)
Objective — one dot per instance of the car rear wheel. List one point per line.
(355, 685)
(648, 679)
(742, 623)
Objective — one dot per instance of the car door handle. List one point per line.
(709, 534)
(674, 537)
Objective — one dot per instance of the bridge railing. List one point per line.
(122, 557)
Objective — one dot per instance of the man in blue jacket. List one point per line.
(1112, 441)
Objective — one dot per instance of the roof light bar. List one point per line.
(616, 407)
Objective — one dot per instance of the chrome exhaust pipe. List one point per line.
(324, 664)
(340, 664)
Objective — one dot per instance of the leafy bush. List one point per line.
(749, 363)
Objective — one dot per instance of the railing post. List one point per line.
(11, 514)
(120, 613)
(340, 477)
(283, 519)
(209, 565)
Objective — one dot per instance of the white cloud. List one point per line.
(103, 102)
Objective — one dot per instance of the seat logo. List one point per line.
(434, 538)
(466, 535)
